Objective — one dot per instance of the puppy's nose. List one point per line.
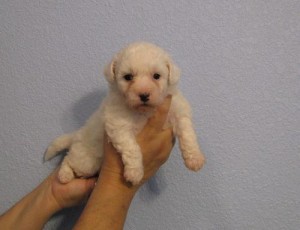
(144, 97)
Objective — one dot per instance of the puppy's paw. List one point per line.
(65, 175)
(195, 162)
(134, 175)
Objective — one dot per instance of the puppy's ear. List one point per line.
(110, 70)
(174, 72)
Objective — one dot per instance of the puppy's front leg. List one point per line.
(191, 153)
(125, 143)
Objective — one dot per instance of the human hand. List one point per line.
(71, 194)
(112, 195)
(155, 141)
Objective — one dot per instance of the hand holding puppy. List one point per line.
(156, 144)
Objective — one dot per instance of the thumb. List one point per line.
(82, 187)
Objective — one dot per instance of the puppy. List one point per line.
(140, 77)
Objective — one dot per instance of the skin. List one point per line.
(110, 197)
(34, 210)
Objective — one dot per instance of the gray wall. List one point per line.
(240, 64)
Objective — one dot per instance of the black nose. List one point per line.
(144, 97)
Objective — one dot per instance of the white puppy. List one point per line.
(140, 77)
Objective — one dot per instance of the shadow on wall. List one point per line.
(154, 187)
(76, 117)
(70, 217)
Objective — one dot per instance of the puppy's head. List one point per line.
(144, 74)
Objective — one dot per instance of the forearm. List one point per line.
(108, 205)
(32, 212)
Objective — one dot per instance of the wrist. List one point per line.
(117, 182)
(45, 201)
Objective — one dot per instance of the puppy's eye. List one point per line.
(128, 77)
(156, 76)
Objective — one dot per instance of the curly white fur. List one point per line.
(140, 77)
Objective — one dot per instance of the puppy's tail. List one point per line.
(59, 144)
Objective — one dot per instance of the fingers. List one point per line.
(89, 186)
(80, 190)
(159, 118)
(90, 183)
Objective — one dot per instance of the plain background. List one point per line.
(240, 63)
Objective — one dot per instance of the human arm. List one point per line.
(34, 210)
(110, 200)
